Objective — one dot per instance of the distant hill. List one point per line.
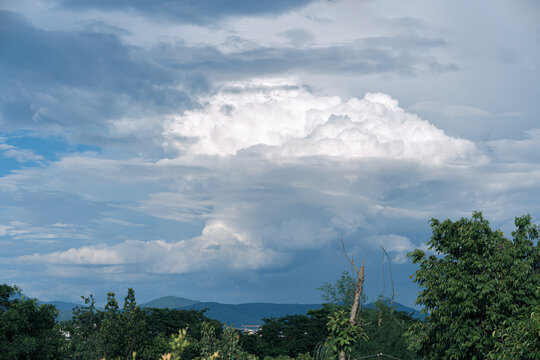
(254, 313)
(231, 314)
(249, 314)
(64, 309)
(171, 302)
(416, 314)
(61, 305)
(64, 315)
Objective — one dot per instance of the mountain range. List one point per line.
(231, 314)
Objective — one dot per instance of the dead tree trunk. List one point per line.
(356, 308)
(385, 254)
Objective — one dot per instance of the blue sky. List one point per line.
(218, 150)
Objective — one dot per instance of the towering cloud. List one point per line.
(279, 169)
(282, 119)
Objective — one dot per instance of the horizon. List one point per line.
(366, 302)
(221, 150)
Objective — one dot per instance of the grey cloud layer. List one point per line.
(191, 11)
(62, 82)
(95, 85)
(387, 55)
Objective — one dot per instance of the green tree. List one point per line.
(477, 281)
(343, 334)
(27, 330)
(114, 332)
(229, 344)
(208, 344)
(123, 332)
(519, 338)
(178, 344)
(162, 323)
(133, 324)
(385, 329)
(168, 321)
(83, 330)
(110, 345)
(224, 346)
(289, 335)
(341, 291)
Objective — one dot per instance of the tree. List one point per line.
(520, 338)
(343, 334)
(229, 344)
(133, 325)
(385, 328)
(341, 292)
(477, 281)
(83, 330)
(344, 326)
(162, 323)
(110, 344)
(226, 346)
(27, 330)
(122, 332)
(168, 321)
(116, 332)
(289, 335)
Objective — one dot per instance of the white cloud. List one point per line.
(456, 111)
(94, 255)
(4, 230)
(516, 150)
(396, 245)
(47, 233)
(121, 222)
(282, 119)
(20, 155)
(177, 207)
(219, 245)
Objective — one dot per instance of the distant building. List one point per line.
(250, 329)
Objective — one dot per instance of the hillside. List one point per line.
(171, 302)
(416, 314)
(250, 313)
(231, 314)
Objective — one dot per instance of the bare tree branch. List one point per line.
(356, 306)
(391, 280)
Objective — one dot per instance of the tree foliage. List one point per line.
(519, 338)
(341, 291)
(169, 321)
(289, 335)
(476, 284)
(385, 329)
(83, 330)
(113, 332)
(27, 330)
(342, 334)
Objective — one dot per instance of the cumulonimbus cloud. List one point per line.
(254, 214)
(280, 118)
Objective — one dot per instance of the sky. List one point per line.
(219, 150)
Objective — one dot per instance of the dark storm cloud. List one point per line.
(74, 59)
(402, 56)
(80, 80)
(77, 78)
(191, 11)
